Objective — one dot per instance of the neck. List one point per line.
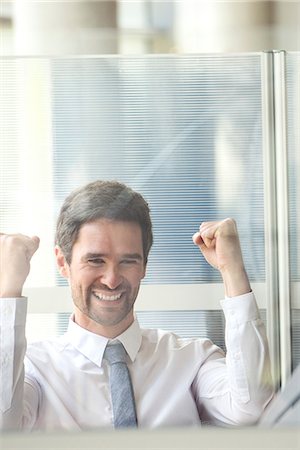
(109, 331)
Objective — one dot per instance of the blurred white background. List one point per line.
(43, 27)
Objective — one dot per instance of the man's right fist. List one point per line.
(16, 251)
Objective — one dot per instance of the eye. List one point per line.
(129, 261)
(95, 262)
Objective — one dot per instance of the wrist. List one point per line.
(10, 292)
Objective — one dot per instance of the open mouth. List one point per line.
(107, 297)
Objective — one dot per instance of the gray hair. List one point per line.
(102, 200)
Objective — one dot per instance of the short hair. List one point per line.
(102, 200)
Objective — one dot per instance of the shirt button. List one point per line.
(237, 356)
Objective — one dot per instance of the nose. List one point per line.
(111, 277)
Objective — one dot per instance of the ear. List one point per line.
(63, 266)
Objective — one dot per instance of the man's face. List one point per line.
(105, 272)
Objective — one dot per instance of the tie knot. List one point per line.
(115, 354)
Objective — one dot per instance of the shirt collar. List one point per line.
(131, 339)
(92, 345)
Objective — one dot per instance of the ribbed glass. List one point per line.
(293, 114)
(183, 130)
(293, 124)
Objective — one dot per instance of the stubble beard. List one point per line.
(91, 307)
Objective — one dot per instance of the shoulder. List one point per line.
(45, 350)
(167, 339)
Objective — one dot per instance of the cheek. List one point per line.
(136, 278)
(77, 280)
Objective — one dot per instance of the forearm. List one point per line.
(219, 244)
(247, 358)
(236, 282)
(238, 388)
(13, 347)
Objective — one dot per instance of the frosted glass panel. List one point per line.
(293, 112)
(185, 131)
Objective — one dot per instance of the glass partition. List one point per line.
(293, 140)
(185, 131)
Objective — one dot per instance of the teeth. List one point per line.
(108, 298)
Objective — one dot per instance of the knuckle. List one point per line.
(12, 240)
(230, 223)
(229, 220)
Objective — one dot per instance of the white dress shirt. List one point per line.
(176, 381)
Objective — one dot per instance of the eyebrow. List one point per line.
(104, 255)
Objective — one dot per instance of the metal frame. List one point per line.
(282, 213)
(270, 219)
(276, 214)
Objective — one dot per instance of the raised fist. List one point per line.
(16, 251)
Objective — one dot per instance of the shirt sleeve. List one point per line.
(12, 353)
(235, 390)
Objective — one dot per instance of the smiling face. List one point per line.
(105, 272)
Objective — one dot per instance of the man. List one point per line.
(103, 239)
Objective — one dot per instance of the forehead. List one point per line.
(104, 234)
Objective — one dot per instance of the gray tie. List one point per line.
(120, 387)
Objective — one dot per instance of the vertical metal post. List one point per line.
(270, 218)
(282, 212)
